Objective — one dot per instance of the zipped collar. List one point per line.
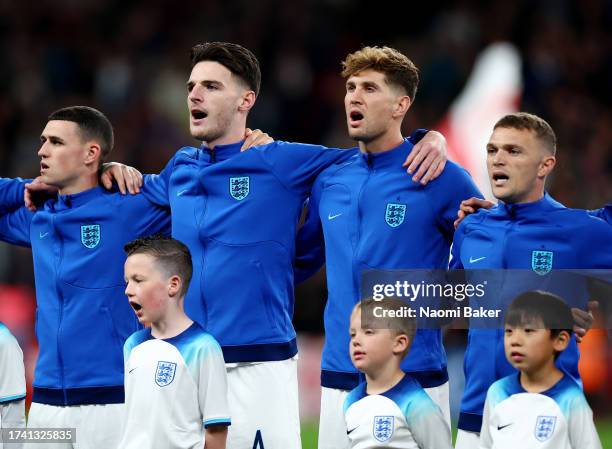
(394, 157)
(64, 202)
(524, 210)
(222, 152)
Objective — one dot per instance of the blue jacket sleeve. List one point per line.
(15, 226)
(453, 186)
(156, 187)
(146, 216)
(605, 213)
(455, 261)
(297, 165)
(596, 249)
(417, 135)
(310, 245)
(11, 194)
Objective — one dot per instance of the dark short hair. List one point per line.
(93, 125)
(172, 256)
(400, 325)
(533, 306)
(398, 69)
(531, 122)
(237, 59)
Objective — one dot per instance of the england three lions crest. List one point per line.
(239, 187)
(395, 213)
(542, 261)
(165, 373)
(90, 235)
(383, 428)
(545, 426)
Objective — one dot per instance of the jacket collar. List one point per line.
(394, 157)
(521, 210)
(64, 202)
(222, 152)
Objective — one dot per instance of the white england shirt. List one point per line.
(559, 418)
(174, 389)
(12, 372)
(403, 417)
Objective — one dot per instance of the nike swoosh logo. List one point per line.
(503, 427)
(472, 260)
(42, 236)
(331, 217)
(349, 431)
(131, 370)
(180, 193)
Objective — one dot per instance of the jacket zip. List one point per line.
(213, 160)
(360, 214)
(61, 315)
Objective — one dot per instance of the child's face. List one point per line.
(529, 347)
(370, 349)
(146, 288)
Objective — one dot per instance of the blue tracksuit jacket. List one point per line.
(509, 236)
(82, 315)
(238, 213)
(605, 213)
(373, 216)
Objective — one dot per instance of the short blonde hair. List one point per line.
(399, 325)
(531, 122)
(398, 69)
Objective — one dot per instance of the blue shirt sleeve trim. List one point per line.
(12, 398)
(217, 422)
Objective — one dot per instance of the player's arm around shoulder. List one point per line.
(11, 194)
(142, 215)
(15, 223)
(605, 213)
(446, 193)
(297, 165)
(596, 250)
(428, 157)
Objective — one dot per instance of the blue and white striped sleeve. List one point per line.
(212, 384)
(426, 423)
(581, 428)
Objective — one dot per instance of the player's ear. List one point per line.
(547, 165)
(561, 341)
(174, 285)
(93, 153)
(401, 343)
(247, 100)
(402, 105)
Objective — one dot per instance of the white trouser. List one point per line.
(263, 401)
(467, 440)
(332, 427)
(97, 426)
(12, 416)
